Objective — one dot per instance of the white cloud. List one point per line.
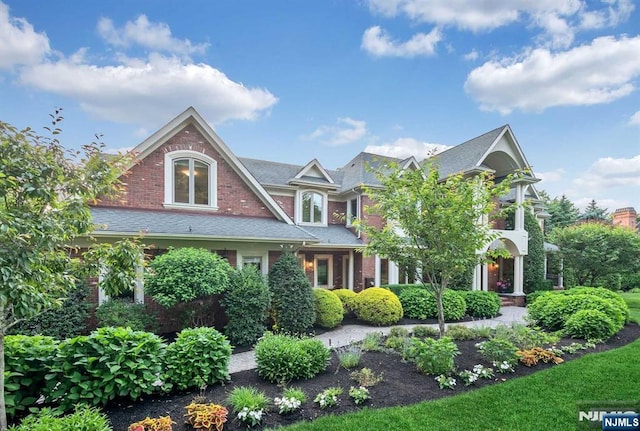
(609, 172)
(600, 72)
(605, 203)
(635, 119)
(20, 44)
(141, 91)
(121, 150)
(471, 56)
(347, 132)
(551, 176)
(377, 42)
(142, 32)
(406, 147)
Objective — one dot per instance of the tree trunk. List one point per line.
(439, 295)
(3, 407)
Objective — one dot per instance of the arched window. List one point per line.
(190, 179)
(312, 208)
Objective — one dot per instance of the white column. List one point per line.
(517, 275)
(394, 273)
(138, 287)
(546, 266)
(376, 280)
(350, 271)
(519, 217)
(476, 284)
(561, 275)
(485, 277)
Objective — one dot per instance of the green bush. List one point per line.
(82, 419)
(548, 311)
(27, 360)
(590, 324)
(346, 296)
(481, 304)
(329, 310)
(378, 306)
(292, 301)
(125, 313)
(185, 274)
(615, 298)
(498, 350)
(198, 356)
(460, 333)
(64, 322)
(246, 305)
(417, 303)
(433, 356)
(397, 289)
(283, 358)
(524, 337)
(108, 363)
(453, 304)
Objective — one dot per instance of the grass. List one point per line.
(544, 400)
(633, 301)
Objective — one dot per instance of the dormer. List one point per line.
(313, 175)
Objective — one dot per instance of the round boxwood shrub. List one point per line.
(590, 324)
(577, 302)
(329, 311)
(283, 358)
(198, 356)
(481, 304)
(417, 303)
(601, 292)
(347, 297)
(378, 306)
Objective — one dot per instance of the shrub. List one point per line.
(600, 292)
(417, 303)
(292, 301)
(460, 333)
(329, 310)
(366, 377)
(454, 304)
(498, 350)
(397, 343)
(248, 404)
(346, 296)
(198, 356)
(163, 423)
(399, 331)
(481, 304)
(27, 359)
(246, 305)
(83, 418)
(359, 395)
(397, 289)
(433, 356)
(580, 301)
(590, 324)
(282, 358)
(378, 306)
(371, 342)
(524, 337)
(125, 313)
(108, 363)
(185, 274)
(64, 322)
(424, 331)
(206, 417)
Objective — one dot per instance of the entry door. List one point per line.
(323, 270)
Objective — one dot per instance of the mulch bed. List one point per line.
(402, 385)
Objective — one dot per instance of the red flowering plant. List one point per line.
(503, 285)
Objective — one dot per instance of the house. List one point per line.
(189, 189)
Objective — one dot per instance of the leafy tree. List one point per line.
(563, 213)
(44, 196)
(594, 213)
(185, 274)
(116, 264)
(433, 222)
(533, 269)
(593, 252)
(292, 302)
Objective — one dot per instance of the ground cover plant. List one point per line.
(400, 383)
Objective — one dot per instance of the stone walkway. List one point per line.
(352, 333)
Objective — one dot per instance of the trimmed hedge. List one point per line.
(420, 303)
(481, 304)
(590, 325)
(378, 306)
(329, 310)
(347, 298)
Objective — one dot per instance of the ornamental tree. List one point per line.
(44, 195)
(440, 224)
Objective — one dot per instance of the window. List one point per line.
(255, 261)
(323, 271)
(190, 179)
(312, 209)
(352, 211)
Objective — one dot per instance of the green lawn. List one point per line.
(633, 301)
(542, 401)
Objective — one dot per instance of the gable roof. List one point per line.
(313, 173)
(191, 116)
(283, 174)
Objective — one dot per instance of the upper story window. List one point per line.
(190, 179)
(312, 208)
(353, 210)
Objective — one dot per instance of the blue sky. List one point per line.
(295, 80)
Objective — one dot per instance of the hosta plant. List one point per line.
(498, 350)
(328, 397)
(433, 356)
(446, 382)
(359, 395)
(206, 417)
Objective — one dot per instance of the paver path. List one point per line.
(345, 335)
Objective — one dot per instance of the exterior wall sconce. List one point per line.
(309, 265)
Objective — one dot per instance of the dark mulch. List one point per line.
(402, 385)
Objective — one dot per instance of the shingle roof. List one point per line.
(465, 156)
(360, 170)
(190, 225)
(279, 174)
(333, 235)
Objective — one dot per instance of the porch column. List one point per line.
(519, 218)
(561, 275)
(517, 275)
(138, 287)
(476, 283)
(376, 280)
(485, 277)
(546, 266)
(350, 271)
(394, 273)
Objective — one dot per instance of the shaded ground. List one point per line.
(402, 385)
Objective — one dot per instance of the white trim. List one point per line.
(169, 159)
(299, 206)
(329, 259)
(352, 217)
(310, 165)
(253, 253)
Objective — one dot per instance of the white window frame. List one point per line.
(351, 217)
(329, 258)
(252, 260)
(299, 208)
(138, 288)
(169, 158)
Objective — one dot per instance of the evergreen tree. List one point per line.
(594, 213)
(563, 213)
